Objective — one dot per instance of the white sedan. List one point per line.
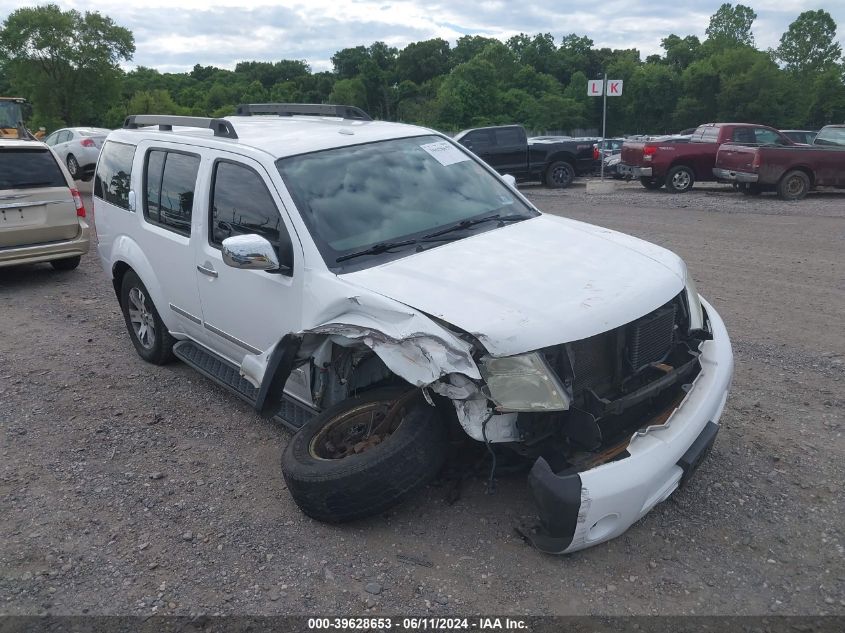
(79, 148)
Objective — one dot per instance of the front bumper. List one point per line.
(734, 176)
(32, 254)
(583, 509)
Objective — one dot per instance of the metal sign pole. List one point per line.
(603, 126)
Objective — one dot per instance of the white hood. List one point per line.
(533, 284)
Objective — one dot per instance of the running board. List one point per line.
(291, 413)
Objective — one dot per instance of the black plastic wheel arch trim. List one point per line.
(558, 501)
(279, 367)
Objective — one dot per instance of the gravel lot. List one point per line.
(132, 489)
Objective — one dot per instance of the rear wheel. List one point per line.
(69, 263)
(560, 175)
(680, 179)
(650, 183)
(149, 335)
(794, 185)
(364, 455)
(73, 167)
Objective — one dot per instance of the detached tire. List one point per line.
(559, 175)
(332, 483)
(652, 184)
(794, 185)
(680, 179)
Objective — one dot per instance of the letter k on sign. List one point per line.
(614, 87)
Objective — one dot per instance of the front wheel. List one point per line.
(794, 185)
(73, 167)
(364, 455)
(149, 335)
(559, 175)
(651, 184)
(680, 179)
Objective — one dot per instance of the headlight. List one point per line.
(524, 383)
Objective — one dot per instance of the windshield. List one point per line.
(10, 114)
(831, 136)
(402, 190)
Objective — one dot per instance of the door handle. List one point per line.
(207, 271)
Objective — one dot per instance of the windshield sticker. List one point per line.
(445, 153)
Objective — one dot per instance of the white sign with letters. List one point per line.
(595, 88)
(614, 87)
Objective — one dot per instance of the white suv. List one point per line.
(371, 284)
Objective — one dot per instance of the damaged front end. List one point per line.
(572, 407)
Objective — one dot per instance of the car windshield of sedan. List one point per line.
(831, 136)
(369, 197)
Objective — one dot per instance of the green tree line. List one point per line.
(68, 64)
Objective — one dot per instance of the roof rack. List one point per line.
(221, 127)
(303, 109)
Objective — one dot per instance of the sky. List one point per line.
(173, 35)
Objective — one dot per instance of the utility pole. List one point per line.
(603, 125)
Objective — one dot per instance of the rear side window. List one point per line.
(241, 204)
(480, 140)
(743, 135)
(169, 182)
(28, 168)
(767, 137)
(705, 134)
(509, 136)
(114, 171)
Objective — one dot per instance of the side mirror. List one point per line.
(510, 180)
(250, 252)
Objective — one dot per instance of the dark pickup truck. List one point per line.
(506, 148)
(679, 165)
(791, 171)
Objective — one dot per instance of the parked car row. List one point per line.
(755, 157)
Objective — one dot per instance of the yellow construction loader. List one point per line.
(12, 114)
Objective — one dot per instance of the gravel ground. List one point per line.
(132, 489)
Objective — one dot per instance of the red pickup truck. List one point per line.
(678, 166)
(791, 171)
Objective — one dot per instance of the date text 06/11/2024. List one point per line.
(418, 624)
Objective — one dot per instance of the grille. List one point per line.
(649, 339)
(602, 363)
(593, 361)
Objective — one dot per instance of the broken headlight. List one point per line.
(523, 383)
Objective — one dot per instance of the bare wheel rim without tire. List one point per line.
(142, 320)
(795, 186)
(72, 166)
(681, 180)
(359, 429)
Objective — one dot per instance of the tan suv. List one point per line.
(42, 218)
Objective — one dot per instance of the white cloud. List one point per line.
(223, 32)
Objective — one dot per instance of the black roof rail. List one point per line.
(303, 109)
(221, 127)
